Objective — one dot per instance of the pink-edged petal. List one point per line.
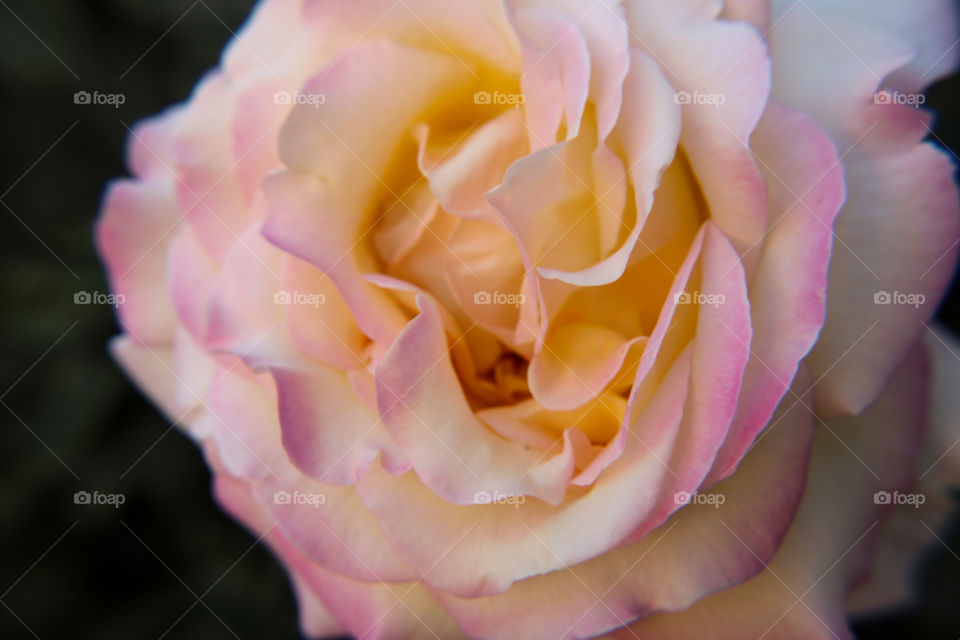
(800, 594)
(191, 278)
(248, 302)
(368, 611)
(133, 235)
(602, 26)
(313, 618)
(329, 432)
(721, 73)
(208, 192)
(806, 192)
(704, 547)
(319, 210)
(423, 407)
(899, 231)
(504, 538)
(234, 496)
(844, 62)
(193, 369)
(649, 130)
(326, 139)
(308, 218)
(556, 75)
(666, 340)
(151, 368)
(329, 524)
(149, 147)
(721, 350)
(319, 321)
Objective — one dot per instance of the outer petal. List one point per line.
(928, 26)
(897, 234)
(909, 530)
(806, 191)
(133, 235)
(242, 437)
(699, 550)
(720, 355)
(368, 611)
(489, 546)
(800, 594)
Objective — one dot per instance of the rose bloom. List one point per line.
(555, 318)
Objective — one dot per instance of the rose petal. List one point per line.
(364, 610)
(700, 550)
(424, 409)
(800, 594)
(556, 75)
(726, 64)
(806, 191)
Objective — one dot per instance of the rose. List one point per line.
(594, 205)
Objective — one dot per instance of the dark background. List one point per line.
(72, 422)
